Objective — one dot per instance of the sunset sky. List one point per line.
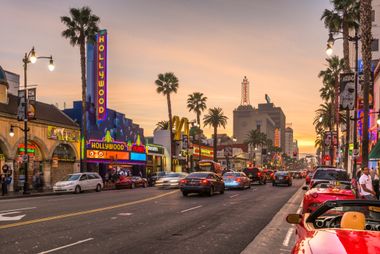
(209, 44)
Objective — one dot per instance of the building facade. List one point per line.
(289, 141)
(53, 141)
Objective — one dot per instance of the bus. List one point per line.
(210, 165)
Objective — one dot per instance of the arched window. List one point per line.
(64, 153)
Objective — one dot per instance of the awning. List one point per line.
(374, 155)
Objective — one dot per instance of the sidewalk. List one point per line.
(278, 236)
(34, 193)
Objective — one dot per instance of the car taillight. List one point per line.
(314, 195)
(238, 179)
(183, 181)
(286, 177)
(259, 174)
(205, 181)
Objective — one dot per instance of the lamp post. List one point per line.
(29, 57)
(329, 51)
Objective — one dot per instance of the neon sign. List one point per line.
(107, 155)
(101, 75)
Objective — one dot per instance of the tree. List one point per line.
(81, 28)
(167, 84)
(197, 102)
(366, 39)
(343, 17)
(215, 118)
(162, 125)
(256, 138)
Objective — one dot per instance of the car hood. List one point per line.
(63, 183)
(342, 241)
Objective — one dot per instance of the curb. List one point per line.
(262, 242)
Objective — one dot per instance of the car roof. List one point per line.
(337, 169)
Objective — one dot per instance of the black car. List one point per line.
(282, 177)
(256, 175)
(202, 182)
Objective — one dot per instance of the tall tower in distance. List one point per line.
(245, 92)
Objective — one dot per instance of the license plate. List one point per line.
(280, 178)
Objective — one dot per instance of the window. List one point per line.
(375, 45)
(373, 15)
(83, 177)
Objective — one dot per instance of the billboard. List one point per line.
(347, 91)
(101, 75)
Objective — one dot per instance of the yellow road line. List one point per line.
(57, 217)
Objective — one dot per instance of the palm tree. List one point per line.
(167, 84)
(162, 125)
(197, 102)
(215, 118)
(256, 138)
(366, 39)
(81, 28)
(344, 16)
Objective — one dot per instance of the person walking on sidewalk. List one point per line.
(366, 187)
(4, 184)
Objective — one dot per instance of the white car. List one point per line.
(170, 180)
(79, 182)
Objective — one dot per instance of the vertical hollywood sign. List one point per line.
(101, 81)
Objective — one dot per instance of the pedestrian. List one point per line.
(4, 184)
(366, 188)
(375, 182)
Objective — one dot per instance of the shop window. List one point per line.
(375, 45)
(64, 153)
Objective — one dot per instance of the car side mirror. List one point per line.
(294, 218)
(305, 188)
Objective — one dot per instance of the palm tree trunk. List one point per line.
(170, 129)
(84, 105)
(199, 119)
(346, 57)
(366, 38)
(215, 143)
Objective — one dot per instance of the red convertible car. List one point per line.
(323, 191)
(131, 182)
(339, 227)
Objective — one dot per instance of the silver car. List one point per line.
(171, 180)
(79, 182)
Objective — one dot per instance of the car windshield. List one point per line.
(333, 184)
(198, 175)
(327, 174)
(174, 175)
(231, 174)
(71, 177)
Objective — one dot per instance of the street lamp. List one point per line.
(30, 57)
(355, 39)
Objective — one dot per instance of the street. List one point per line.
(140, 221)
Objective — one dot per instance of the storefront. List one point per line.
(156, 160)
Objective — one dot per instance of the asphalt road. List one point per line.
(139, 221)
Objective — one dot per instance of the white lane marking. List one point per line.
(253, 189)
(234, 195)
(287, 237)
(18, 209)
(285, 250)
(299, 210)
(11, 218)
(196, 207)
(55, 200)
(66, 246)
(125, 214)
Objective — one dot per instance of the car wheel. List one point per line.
(222, 190)
(133, 185)
(77, 189)
(145, 185)
(273, 184)
(211, 191)
(265, 181)
(249, 185)
(98, 188)
(185, 194)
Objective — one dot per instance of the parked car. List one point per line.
(131, 182)
(282, 177)
(170, 180)
(308, 177)
(79, 182)
(330, 174)
(155, 176)
(297, 175)
(202, 182)
(236, 180)
(256, 175)
(325, 190)
(339, 227)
